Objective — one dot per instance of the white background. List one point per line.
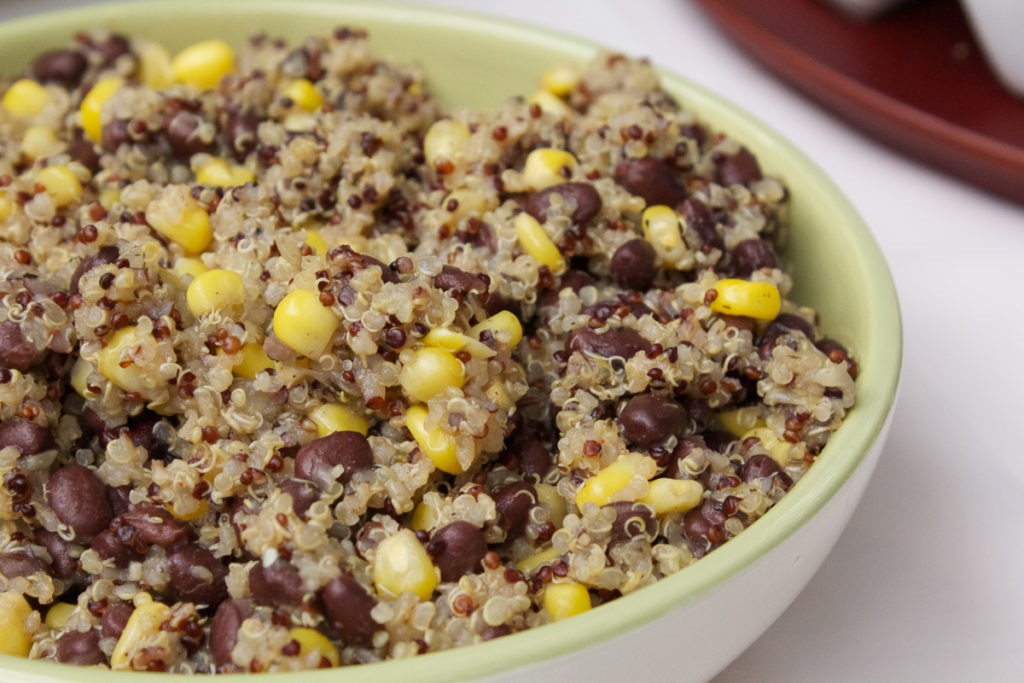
(927, 583)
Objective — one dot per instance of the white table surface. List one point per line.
(926, 583)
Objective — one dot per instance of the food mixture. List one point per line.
(298, 371)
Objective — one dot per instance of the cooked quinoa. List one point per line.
(297, 370)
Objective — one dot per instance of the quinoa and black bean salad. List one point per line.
(298, 371)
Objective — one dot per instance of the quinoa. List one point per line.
(261, 338)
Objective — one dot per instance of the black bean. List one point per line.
(624, 342)
(84, 152)
(155, 525)
(459, 283)
(698, 523)
(457, 549)
(205, 586)
(683, 448)
(240, 135)
(278, 584)
(64, 67)
(104, 256)
(572, 279)
(534, 459)
(784, 323)
(739, 322)
(28, 437)
(79, 499)
(736, 169)
(115, 133)
(113, 47)
(304, 493)
(348, 607)
(759, 466)
(633, 264)
(224, 629)
(632, 520)
(82, 648)
(181, 136)
(118, 497)
(699, 411)
(497, 301)
(750, 255)
(700, 219)
(650, 419)
(141, 427)
(718, 439)
(350, 449)
(513, 503)
(61, 562)
(16, 353)
(19, 563)
(115, 618)
(650, 178)
(587, 200)
(109, 547)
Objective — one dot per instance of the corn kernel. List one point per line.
(39, 142)
(187, 265)
(435, 443)
(531, 562)
(304, 94)
(402, 565)
(546, 167)
(549, 496)
(462, 203)
(92, 106)
(109, 196)
(559, 79)
(758, 300)
(6, 205)
(566, 599)
(189, 227)
(110, 357)
(311, 640)
(549, 104)
(499, 396)
(204, 64)
(79, 377)
(334, 417)
(661, 227)
(25, 98)
(602, 486)
(14, 640)
(142, 624)
(535, 242)
(444, 139)
(61, 184)
(217, 172)
(314, 240)
(155, 70)
(424, 517)
(59, 614)
(673, 495)
(444, 338)
(304, 324)
(431, 371)
(254, 361)
(740, 420)
(504, 325)
(213, 290)
(193, 512)
(782, 451)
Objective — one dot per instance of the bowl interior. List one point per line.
(835, 261)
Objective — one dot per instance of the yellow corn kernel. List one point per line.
(444, 338)
(304, 324)
(782, 451)
(204, 64)
(549, 104)
(559, 79)
(550, 497)
(109, 196)
(424, 517)
(14, 640)
(217, 172)
(740, 420)
(444, 139)
(61, 184)
(435, 443)
(673, 495)
(531, 562)
(187, 265)
(6, 205)
(213, 290)
(546, 167)
(504, 325)
(110, 357)
(499, 396)
(311, 640)
(566, 599)
(334, 417)
(142, 624)
(661, 227)
(190, 227)
(92, 106)
(193, 512)
(431, 371)
(317, 242)
(758, 300)
(254, 361)
(402, 565)
(79, 377)
(39, 142)
(462, 203)
(535, 242)
(155, 70)
(304, 94)
(25, 98)
(602, 486)
(59, 614)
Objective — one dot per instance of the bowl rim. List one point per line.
(877, 385)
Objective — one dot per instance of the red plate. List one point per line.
(914, 78)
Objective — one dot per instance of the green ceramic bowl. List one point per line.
(690, 625)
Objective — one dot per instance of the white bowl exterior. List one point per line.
(997, 25)
(705, 643)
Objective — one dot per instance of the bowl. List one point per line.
(994, 23)
(689, 625)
